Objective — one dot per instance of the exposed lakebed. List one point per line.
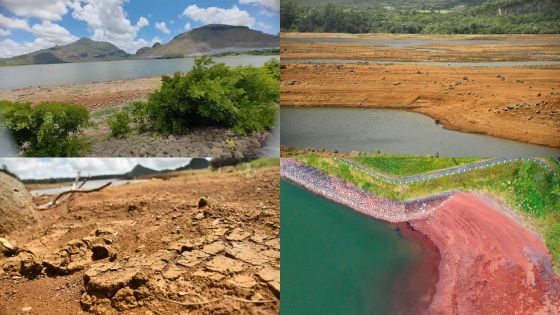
(332, 271)
(68, 73)
(391, 131)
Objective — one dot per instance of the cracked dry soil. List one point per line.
(146, 248)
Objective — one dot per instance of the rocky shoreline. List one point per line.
(488, 263)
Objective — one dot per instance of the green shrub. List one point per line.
(242, 98)
(50, 128)
(139, 112)
(119, 124)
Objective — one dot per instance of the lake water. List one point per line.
(89, 185)
(86, 72)
(392, 131)
(337, 261)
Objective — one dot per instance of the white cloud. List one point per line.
(188, 27)
(51, 10)
(267, 13)
(108, 22)
(47, 34)
(162, 27)
(270, 4)
(263, 26)
(142, 22)
(36, 168)
(13, 23)
(53, 33)
(215, 15)
(4, 32)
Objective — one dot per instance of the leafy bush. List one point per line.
(49, 129)
(241, 98)
(119, 124)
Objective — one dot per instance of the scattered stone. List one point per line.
(26, 309)
(202, 202)
(396, 83)
(6, 247)
(292, 82)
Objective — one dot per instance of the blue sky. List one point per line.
(29, 25)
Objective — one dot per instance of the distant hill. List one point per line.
(140, 170)
(213, 39)
(82, 50)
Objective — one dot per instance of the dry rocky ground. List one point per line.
(155, 247)
(104, 98)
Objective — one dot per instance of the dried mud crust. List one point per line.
(143, 248)
(521, 104)
(513, 48)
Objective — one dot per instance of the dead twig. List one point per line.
(62, 194)
(188, 304)
(248, 301)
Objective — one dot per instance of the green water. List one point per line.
(337, 261)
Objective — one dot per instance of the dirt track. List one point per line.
(130, 249)
(515, 103)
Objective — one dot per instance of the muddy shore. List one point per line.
(142, 248)
(489, 261)
(520, 104)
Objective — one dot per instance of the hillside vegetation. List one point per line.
(429, 17)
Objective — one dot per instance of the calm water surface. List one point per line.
(392, 131)
(89, 185)
(337, 261)
(86, 72)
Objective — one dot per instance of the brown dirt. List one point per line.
(490, 264)
(521, 104)
(92, 95)
(130, 249)
(535, 47)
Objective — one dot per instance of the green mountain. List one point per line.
(397, 4)
(81, 50)
(213, 39)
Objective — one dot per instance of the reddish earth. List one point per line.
(490, 264)
(143, 248)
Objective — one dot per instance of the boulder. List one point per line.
(16, 205)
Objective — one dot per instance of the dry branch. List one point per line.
(71, 191)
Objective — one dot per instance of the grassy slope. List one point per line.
(524, 186)
(410, 165)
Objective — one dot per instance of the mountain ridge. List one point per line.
(212, 39)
